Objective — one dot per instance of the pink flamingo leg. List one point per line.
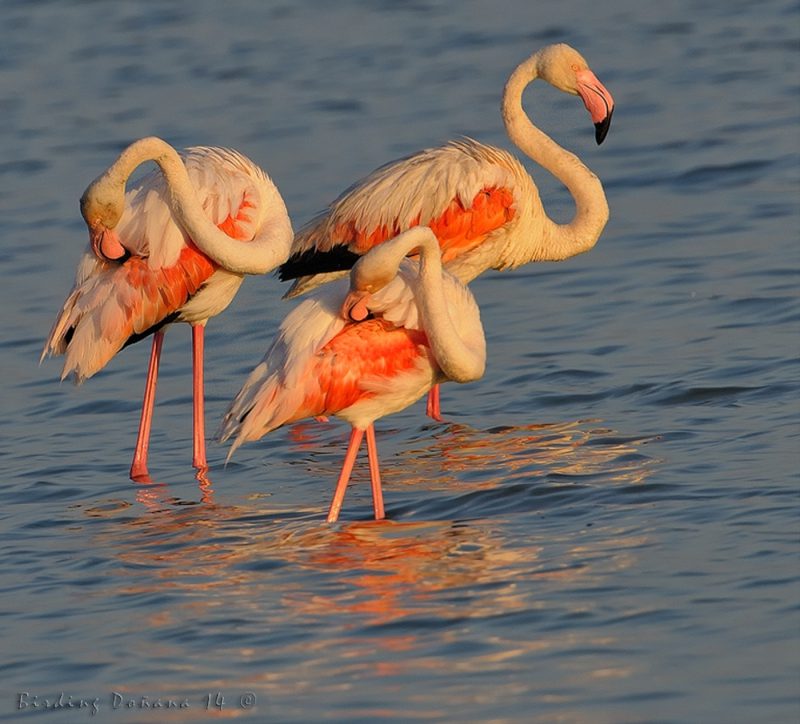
(344, 476)
(199, 425)
(433, 409)
(139, 464)
(375, 474)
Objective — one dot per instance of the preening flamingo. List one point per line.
(173, 249)
(404, 326)
(479, 200)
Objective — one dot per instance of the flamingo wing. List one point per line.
(463, 191)
(356, 364)
(118, 304)
(320, 364)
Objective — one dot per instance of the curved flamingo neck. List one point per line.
(266, 251)
(557, 241)
(457, 360)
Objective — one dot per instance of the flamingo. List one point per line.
(172, 249)
(403, 326)
(479, 200)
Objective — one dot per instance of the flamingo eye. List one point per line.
(575, 67)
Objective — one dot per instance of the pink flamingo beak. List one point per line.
(355, 307)
(106, 244)
(598, 102)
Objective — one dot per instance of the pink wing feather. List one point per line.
(463, 190)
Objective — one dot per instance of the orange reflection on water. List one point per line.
(398, 568)
(389, 598)
(393, 567)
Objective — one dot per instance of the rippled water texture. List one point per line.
(605, 527)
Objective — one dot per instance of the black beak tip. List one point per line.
(601, 128)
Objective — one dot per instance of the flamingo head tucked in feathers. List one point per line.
(565, 68)
(362, 286)
(101, 207)
(372, 272)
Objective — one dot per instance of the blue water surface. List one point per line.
(604, 529)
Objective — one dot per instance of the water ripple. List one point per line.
(607, 520)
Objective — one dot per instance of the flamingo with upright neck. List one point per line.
(479, 200)
(365, 352)
(172, 249)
